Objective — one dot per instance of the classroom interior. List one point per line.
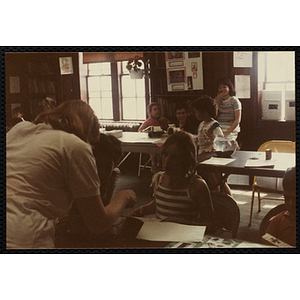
(264, 82)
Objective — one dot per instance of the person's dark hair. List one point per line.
(181, 105)
(226, 81)
(205, 104)
(17, 109)
(149, 108)
(107, 150)
(73, 116)
(289, 179)
(182, 165)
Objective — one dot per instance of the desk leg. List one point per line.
(123, 159)
(142, 167)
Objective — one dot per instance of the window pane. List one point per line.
(134, 109)
(129, 108)
(290, 86)
(105, 83)
(95, 105)
(140, 88)
(128, 86)
(106, 94)
(141, 109)
(99, 68)
(275, 86)
(280, 66)
(107, 110)
(94, 94)
(94, 84)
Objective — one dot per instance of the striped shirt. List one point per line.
(226, 113)
(173, 203)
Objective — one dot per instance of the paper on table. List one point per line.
(218, 161)
(171, 232)
(246, 244)
(259, 163)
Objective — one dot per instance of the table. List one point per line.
(237, 166)
(140, 142)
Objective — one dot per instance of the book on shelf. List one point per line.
(41, 86)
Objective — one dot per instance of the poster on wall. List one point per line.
(242, 59)
(242, 86)
(66, 65)
(184, 71)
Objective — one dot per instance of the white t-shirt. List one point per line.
(46, 170)
(207, 131)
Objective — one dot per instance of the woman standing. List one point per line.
(50, 164)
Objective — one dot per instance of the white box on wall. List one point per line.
(290, 106)
(272, 108)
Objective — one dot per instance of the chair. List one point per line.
(227, 212)
(268, 217)
(269, 184)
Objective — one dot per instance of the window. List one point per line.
(128, 103)
(280, 71)
(99, 90)
(276, 74)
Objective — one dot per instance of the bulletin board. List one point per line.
(184, 71)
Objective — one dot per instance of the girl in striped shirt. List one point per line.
(179, 193)
(229, 108)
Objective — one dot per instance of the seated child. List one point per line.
(155, 119)
(229, 108)
(178, 191)
(283, 226)
(209, 128)
(184, 120)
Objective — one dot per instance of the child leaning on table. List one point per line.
(179, 193)
(208, 130)
(155, 119)
(283, 226)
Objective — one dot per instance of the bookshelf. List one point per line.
(41, 87)
(34, 82)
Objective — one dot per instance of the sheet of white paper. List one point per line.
(242, 59)
(256, 163)
(253, 245)
(218, 161)
(170, 232)
(242, 86)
